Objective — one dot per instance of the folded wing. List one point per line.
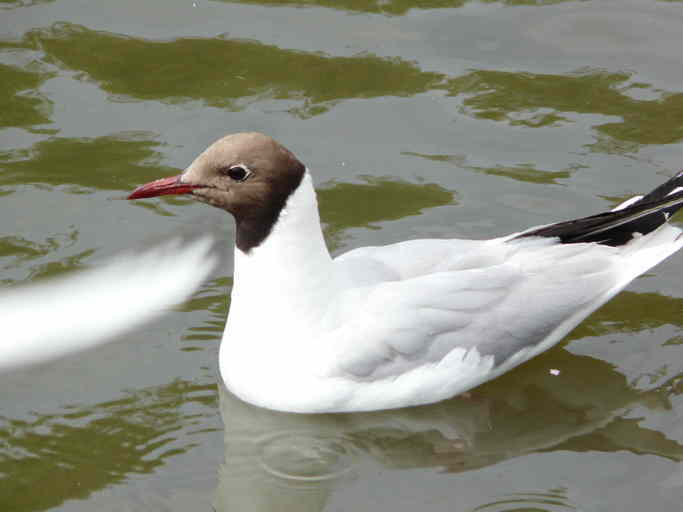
(477, 320)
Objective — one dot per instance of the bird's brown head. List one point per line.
(249, 175)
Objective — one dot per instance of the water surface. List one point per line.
(418, 119)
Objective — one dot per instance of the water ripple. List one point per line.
(553, 500)
(304, 457)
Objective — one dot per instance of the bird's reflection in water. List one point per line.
(290, 462)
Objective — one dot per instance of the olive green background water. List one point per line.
(417, 118)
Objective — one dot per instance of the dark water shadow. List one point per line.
(113, 162)
(537, 100)
(222, 72)
(15, 4)
(72, 453)
(372, 202)
(36, 258)
(21, 105)
(233, 73)
(388, 7)
(526, 173)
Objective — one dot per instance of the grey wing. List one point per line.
(494, 313)
(413, 258)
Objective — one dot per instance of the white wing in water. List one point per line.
(44, 321)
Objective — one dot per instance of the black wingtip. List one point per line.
(664, 189)
(617, 228)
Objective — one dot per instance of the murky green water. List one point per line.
(418, 118)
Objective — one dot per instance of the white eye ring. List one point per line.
(239, 172)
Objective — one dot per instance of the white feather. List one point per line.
(50, 319)
(409, 323)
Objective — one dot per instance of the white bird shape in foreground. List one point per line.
(57, 317)
(405, 324)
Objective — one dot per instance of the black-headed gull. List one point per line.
(411, 323)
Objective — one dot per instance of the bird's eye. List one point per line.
(238, 173)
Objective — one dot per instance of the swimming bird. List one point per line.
(405, 324)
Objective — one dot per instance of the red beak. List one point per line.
(162, 187)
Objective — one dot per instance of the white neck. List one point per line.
(291, 271)
(281, 297)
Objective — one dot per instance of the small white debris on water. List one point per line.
(554, 371)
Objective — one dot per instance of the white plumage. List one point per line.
(410, 323)
(405, 324)
(51, 319)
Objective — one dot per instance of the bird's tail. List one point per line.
(618, 226)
